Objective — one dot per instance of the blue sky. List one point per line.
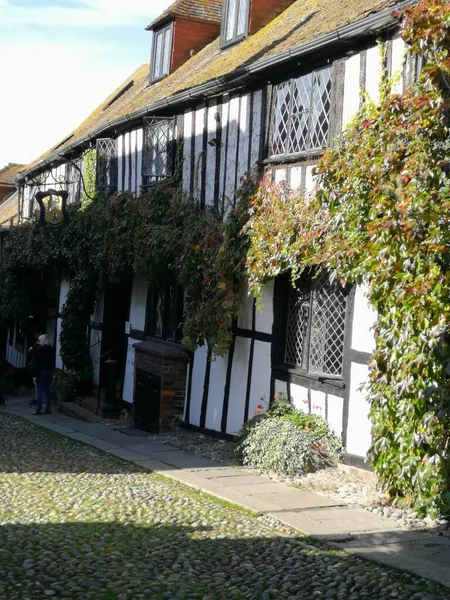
(59, 59)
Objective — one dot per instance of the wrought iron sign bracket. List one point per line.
(40, 200)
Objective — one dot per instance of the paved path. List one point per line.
(352, 529)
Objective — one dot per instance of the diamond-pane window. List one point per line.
(165, 311)
(159, 149)
(161, 53)
(106, 172)
(301, 114)
(235, 21)
(315, 332)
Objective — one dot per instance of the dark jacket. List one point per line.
(41, 359)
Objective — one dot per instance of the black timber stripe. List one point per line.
(204, 407)
(189, 389)
(238, 143)
(289, 390)
(123, 162)
(250, 365)
(347, 364)
(259, 336)
(130, 164)
(137, 334)
(326, 407)
(218, 154)
(362, 358)
(225, 158)
(191, 183)
(226, 393)
(309, 401)
(250, 130)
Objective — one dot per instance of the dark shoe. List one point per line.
(33, 403)
(38, 412)
(48, 411)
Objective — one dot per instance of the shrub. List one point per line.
(276, 444)
(321, 436)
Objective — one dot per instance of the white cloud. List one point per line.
(91, 14)
(53, 79)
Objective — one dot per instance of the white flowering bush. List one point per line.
(277, 445)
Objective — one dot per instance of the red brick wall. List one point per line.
(264, 11)
(190, 35)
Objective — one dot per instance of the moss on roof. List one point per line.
(8, 173)
(200, 10)
(303, 22)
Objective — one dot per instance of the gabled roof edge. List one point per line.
(377, 21)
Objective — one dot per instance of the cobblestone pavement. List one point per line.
(77, 523)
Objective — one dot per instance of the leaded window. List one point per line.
(315, 327)
(165, 311)
(161, 53)
(106, 173)
(301, 114)
(159, 149)
(235, 21)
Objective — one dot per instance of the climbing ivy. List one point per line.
(380, 218)
(89, 176)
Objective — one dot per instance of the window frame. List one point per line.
(106, 165)
(148, 124)
(224, 43)
(309, 150)
(156, 33)
(282, 291)
(154, 291)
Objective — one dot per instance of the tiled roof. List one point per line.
(8, 173)
(8, 210)
(201, 10)
(303, 22)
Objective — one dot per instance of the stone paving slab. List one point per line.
(294, 499)
(219, 472)
(156, 465)
(247, 480)
(258, 489)
(184, 460)
(92, 441)
(127, 454)
(148, 448)
(420, 553)
(58, 428)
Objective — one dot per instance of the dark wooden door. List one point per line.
(147, 401)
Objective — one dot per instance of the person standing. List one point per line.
(42, 363)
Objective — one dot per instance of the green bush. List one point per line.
(277, 445)
(322, 436)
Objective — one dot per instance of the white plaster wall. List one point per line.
(199, 125)
(280, 175)
(336, 413)
(373, 73)
(359, 427)
(238, 387)
(296, 178)
(244, 138)
(211, 152)
(351, 88)
(280, 388)
(217, 379)
(310, 180)
(260, 387)
(257, 127)
(364, 318)
(299, 397)
(397, 65)
(128, 386)
(138, 303)
(246, 318)
(198, 379)
(264, 317)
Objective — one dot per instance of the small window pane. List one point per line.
(157, 67)
(231, 19)
(158, 151)
(242, 17)
(301, 114)
(167, 51)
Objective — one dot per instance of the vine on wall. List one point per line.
(381, 218)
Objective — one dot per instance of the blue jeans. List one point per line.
(44, 386)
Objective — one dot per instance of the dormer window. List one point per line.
(161, 53)
(235, 21)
